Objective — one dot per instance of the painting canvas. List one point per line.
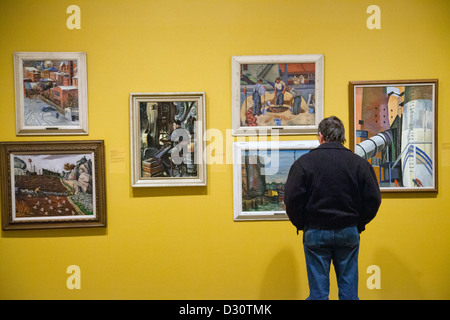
(50, 93)
(167, 139)
(260, 172)
(394, 128)
(283, 93)
(50, 186)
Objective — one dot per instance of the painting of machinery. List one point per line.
(395, 131)
(159, 124)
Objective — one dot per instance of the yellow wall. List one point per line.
(182, 243)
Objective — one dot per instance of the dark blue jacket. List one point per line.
(330, 187)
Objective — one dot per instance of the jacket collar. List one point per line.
(332, 145)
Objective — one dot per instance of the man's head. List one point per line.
(331, 129)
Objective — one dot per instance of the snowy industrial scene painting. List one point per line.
(50, 95)
(395, 131)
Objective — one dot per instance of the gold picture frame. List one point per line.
(52, 184)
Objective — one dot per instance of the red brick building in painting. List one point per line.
(64, 96)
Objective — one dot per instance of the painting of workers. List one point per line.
(394, 129)
(167, 139)
(280, 95)
(50, 93)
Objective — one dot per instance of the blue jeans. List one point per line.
(279, 99)
(340, 246)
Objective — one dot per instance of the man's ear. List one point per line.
(321, 140)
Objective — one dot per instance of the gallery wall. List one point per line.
(182, 242)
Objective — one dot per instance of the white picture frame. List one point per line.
(264, 200)
(301, 109)
(154, 162)
(51, 93)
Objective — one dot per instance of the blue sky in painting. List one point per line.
(52, 162)
(278, 162)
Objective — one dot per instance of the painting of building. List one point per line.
(264, 175)
(395, 133)
(50, 92)
(65, 96)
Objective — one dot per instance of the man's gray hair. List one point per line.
(332, 129)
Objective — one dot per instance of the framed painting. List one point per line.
(51, 93)
(167, 145)
(54, 184)
(283, 93)
(394, 126)
(260, 171)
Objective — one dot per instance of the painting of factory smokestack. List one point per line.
(260, 172)
(393, 126)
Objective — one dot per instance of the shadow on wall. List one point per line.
(398, 281)
(281, 278)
